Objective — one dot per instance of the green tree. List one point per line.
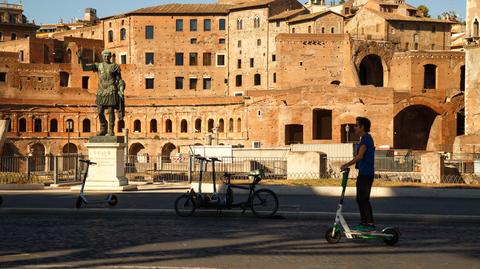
(425, 10)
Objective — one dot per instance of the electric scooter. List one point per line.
(389, 235)
(82, 199)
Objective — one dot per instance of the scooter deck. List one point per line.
(369, 234)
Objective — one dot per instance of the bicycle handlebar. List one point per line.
(88, 162)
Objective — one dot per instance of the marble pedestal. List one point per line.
(109, 172)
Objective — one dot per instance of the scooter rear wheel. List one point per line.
(113, 200)
(391, 240)
(79, 202)
(185, 205)
(333, 239)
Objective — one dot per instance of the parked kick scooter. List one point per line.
(389, 235)
(82, 199)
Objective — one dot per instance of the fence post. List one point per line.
(76, 168)
(28, 168)
(55, 169)
(189, 168)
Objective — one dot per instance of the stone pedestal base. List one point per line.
(109, 172)
(467, 144)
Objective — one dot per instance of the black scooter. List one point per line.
(111, 199)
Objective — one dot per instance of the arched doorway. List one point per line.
(167, 151)
(371, 71)
(69, 151)
(37, 158)
(137, 153)
(412, 127)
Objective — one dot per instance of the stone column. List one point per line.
(432, 168)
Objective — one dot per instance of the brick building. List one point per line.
(13, 24)
(239, 67)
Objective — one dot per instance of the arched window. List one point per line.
(239, 125)
(309, 29)
(274, 77)
(69, 126)
(210, 125)
(430, 76)
(153, 126)
(221, 126)
(123, 34)
(86, 126)
(256, 22)
(257, 80)
(335, 82)
(110, 36)
(183, 126)
(53, 125)
(332, 30)
(230, 125)
(198, 125)
(475, 28)
(37, 125)
(137, 126)
(168, 126)
(239, 24)
(22, 125)
(120, 126)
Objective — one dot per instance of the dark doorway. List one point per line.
(430, 76)
(462, 78)
(412, 127)
(461, 122)
(293, 134)
(371, 71)
(322, 124)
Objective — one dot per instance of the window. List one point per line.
(207, 59)
(278, 24)
(207, 25)
(416, 46)
(221, 126)
(257, 80)
(259, 42)
(220, 60)
(37, 125)
(1, 36)
(193, 83)
(407, 46)
(475, 28)
(198, 125)
(168, 126)
(207, 83)
(64, 79)
(193, 59)
(183, 126)
(137, 126)
(238, 81)
(22, 125)
(239, 63)
(332, 30)
(179, 25)
(433, 46)
(274, 77)
(179, 83)
(239, 43)
(123, 34)
(274, 58)
(123, 59)
(402, 27)
(70, 124)
(322, 124)
(3, 77)
(110, 36)
(153, 126)
(239, 24)
(430, 76)
(22, 56)
(120, 126)
(221, 24)
(149, 58)
(293, 30)
(85, 82)
(256, 22)
(179, 58)
(193, 25)
(193, 41)
(149, 83)
(252, 62)
(13, 36)
(86, 124)
(221, 41)
(230, 125)
(323, 30)
(53, 126)
(149, 32)
(210, 125)
(309, 29)
(239, 125)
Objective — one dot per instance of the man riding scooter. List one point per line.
(364, 161)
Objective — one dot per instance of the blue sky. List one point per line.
(50, 11)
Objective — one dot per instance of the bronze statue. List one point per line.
(110, 93)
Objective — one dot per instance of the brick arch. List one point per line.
(362, 50)
(422, 101)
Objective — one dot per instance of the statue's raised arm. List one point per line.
(85, 67)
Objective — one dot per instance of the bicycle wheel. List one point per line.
(264, 203)
(185, 206)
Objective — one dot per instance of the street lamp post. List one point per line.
(69, 129)
(215, 131)
(347, 130)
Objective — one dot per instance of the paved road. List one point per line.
(72, 241)
(139, 200)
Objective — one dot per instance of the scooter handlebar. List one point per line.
(88, 162)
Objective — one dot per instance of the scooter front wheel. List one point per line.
(79, 202)
(393, 239)
(185, 205)
(333, 237)
(113, 200)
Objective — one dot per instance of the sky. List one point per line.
(51, 11)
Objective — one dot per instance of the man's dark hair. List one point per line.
(362, 121)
